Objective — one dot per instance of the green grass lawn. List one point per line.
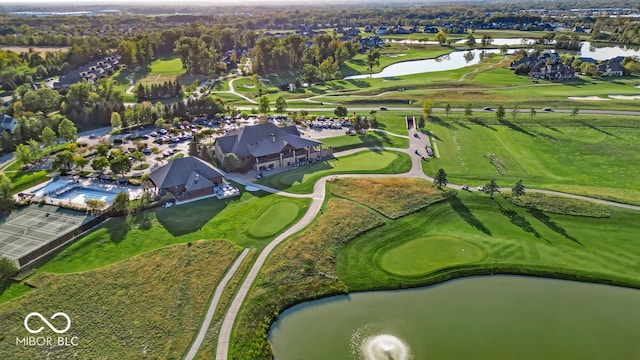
(121, 238)
(428, 254)
(596, 157)
(23, 180)
(513, 238)
(370, 139)
(149, 306)
(274, 219)
(302, 179)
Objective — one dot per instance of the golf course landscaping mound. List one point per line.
(428, 254)
(274, 219)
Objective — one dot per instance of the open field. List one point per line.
(392, 197)
(513, 238)
(149, 306)
(162, 70)
(301, 268)
(42, 50)
(594, 155)
(370, 139)
(121, 238)
(302, 179)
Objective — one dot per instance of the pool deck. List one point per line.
(67, 183)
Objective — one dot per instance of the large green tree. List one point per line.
(25, 154)
(373, 59)
(468, 111)
(500, 113)
(63, 161)
(427, 107)
(264, 104)
(518, 189)
(231, 162)
(491, 188)
(440, 178)
(120, 163)
(67, 130)
(48, 137)
(281, 105)
(6, 200)
(341, 111)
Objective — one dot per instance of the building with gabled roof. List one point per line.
(7, 123)
(186, 177)
(267, 146)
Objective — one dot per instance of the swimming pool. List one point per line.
(51, 187)
(79, 196)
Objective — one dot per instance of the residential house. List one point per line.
(266, 146)
(382, 30)
(371, 41)
(557, 71)
(611, 69)
(7, 123)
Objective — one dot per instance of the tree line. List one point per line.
(168, 89)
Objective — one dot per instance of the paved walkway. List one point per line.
(317, 197)
(214, 304)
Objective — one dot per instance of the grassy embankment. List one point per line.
(149, 306)
(595, 155)
(302, 179)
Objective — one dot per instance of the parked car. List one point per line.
(416, 136)
(480, 188)
(465, 187)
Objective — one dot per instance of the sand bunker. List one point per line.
(625, 97)
(394, 55)
(586, 98)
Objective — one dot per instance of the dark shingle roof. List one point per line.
(257, 140)
(179, 171)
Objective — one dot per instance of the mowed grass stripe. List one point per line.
(585, 159)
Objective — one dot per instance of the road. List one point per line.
(214, 304)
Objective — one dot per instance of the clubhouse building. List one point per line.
(187, 178)
(267, 146)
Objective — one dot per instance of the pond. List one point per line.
(451, 61)
(606, 52)
(485, 317)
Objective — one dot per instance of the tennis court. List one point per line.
(28, 230)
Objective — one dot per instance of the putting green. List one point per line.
(424, 255)
(274, 219)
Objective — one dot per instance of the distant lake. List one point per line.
(606, 52)
(451, 61)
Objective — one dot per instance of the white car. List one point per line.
(480, 188)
